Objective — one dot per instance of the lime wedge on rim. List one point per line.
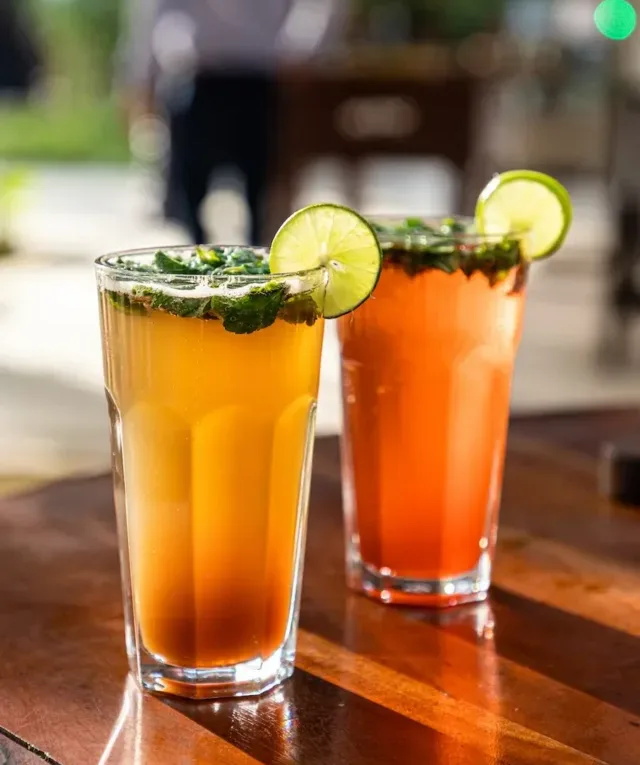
(528, 201)
(337, 238)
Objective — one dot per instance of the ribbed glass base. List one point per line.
(249, 678)
(382, 585)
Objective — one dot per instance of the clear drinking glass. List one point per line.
(426, 372)
(212, 426)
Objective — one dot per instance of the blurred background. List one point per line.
(394, 106)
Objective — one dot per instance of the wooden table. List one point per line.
(547, 672)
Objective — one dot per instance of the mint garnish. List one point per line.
(257, 309)
(155, 299)
(203, 260)
(250, 310)
(300, 308)
(168, 265)
(451, 246)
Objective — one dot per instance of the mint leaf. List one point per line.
(452, 226)
(300, 308)
(247, 311)
(240, 255)
(445, 250)
(243, 314)
(447, 262)
(214, 256)
(257, 309)
(180, 306)
(414, 223)
(167, 264)
(202, 260)
(241, 260)
(132, 265)
(124, 302)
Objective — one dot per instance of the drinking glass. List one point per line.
(212, 436)
(426, 375)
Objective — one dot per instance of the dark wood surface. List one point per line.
(16, 752)
(546, 672)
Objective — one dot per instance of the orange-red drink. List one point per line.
(427, 366)
(211, 382)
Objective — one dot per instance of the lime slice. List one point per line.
(525, 200)
(335, 237)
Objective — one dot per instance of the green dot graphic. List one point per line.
(615, 19)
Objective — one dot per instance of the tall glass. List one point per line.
(426, 370)
(212, 439)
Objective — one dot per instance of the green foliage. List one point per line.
(219, 261)
(301, 308)
(91, 131)
(256, 309)
(156, 300)
(417, 246)
(98, 24)
(79, 39)
(125, 302)
(249, 311)
(244, 314)
(76, 120)
(13, 180)
(166, 264)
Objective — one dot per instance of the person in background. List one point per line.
(19, 55)
(210, 66)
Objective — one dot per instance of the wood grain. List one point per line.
(62, 662)
(546, 672)
(548, 701)
(603, 590)
(315, 722)
(579, 431)
(546, 497)
(461, 658)
(146, 732)
(491, 734)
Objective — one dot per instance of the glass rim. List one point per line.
(436, 222)
(104, 264)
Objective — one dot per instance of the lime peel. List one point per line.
(530, 202)
(338, 239)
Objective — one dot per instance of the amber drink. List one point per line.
(212, 370)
